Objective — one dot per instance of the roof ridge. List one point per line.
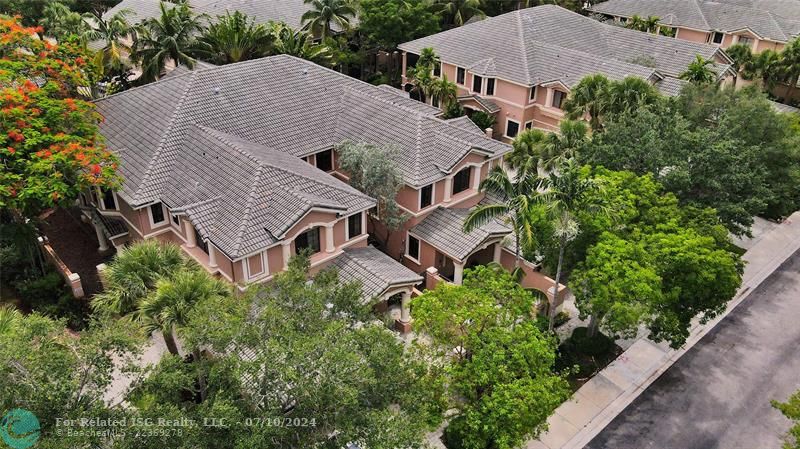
(363, 265)
(702, 14)
(522, 47)
(247, 210)
(167, 131)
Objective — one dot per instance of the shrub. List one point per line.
(482, 119)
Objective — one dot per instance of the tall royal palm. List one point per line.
(564, 192)
(169, 37)
(133, 273)
(300, 44)
(515, 193)
(588, 97)
(232, 38)
(541, 150)
(324, 13)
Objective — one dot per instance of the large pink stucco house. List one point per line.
(236, 164)
(520, 66)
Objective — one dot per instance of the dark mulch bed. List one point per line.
(75, 242)
(585, 356)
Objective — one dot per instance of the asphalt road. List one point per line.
(717, 395)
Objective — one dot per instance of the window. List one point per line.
(325, 160)
(532, 95)
(353, 226)
(623, 20)
(744, 40)
(425, 196)
(413, 248)
(461, 180)
(437, 70)
(200, 242)
(255, 265)
(558, 99)
(461, 75)
(157, 213)
(308, 239)
(716, 37)
(512, 128)
(435, 101)
(176, 220)
(477, 83)
(108, 199)
(529, 125)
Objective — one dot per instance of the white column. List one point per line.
(329, 248)
(101, 237)
(476, 177)
(287, 253)
(448, 188)
(212, 256)
(498, 247)
(549, 100)
(405, 307)
(458, 273)
(191, 240)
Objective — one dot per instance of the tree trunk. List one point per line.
(516, 251)
(201, 378)
(169, 340)
(594, 322)
(551, 312)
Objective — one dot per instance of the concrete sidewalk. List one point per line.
(601, 399)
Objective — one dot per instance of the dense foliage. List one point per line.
(388, 23)
(791, 410)
(498, 363)
(50, 149)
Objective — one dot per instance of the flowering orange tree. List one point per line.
(50, 148)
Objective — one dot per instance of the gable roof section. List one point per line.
(775, 20)
(376, 271)
(244, 196)
(442, 228)
(549, 43)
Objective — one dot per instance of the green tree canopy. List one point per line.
(232, 38)
(323, 13)
(388, 23)
(791, 410)
(499, 364)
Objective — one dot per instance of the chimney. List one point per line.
(489, 132)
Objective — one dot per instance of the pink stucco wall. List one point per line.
(692, 35)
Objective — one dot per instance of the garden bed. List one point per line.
(585, 356)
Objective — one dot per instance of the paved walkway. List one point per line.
(607, 394)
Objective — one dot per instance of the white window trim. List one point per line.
(465, 76)
(408, 245)
(172, 222)
(505, 130)
(525, 126)
(486, 86)
(164, 212)
(349, 237)
(433, 197)
(535, 95)
(101, 200)
(264, 267)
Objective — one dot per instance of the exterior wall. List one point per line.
(692, 35)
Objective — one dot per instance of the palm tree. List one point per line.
(60, 22)
(298, 43)
(766, 66)
(168, 37)
(700, 71)
(588, 98)
(444, 90)
(133, 273)
(742, 56)
(565, 192)
(167, 308)
(636, 23)
(515, 207)
(790, 66)
(538, 149)
(324, 12)
(113, 32)
(650, 24)
(232, 38)
(457, 12)
(630, 94)
(421, 75)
